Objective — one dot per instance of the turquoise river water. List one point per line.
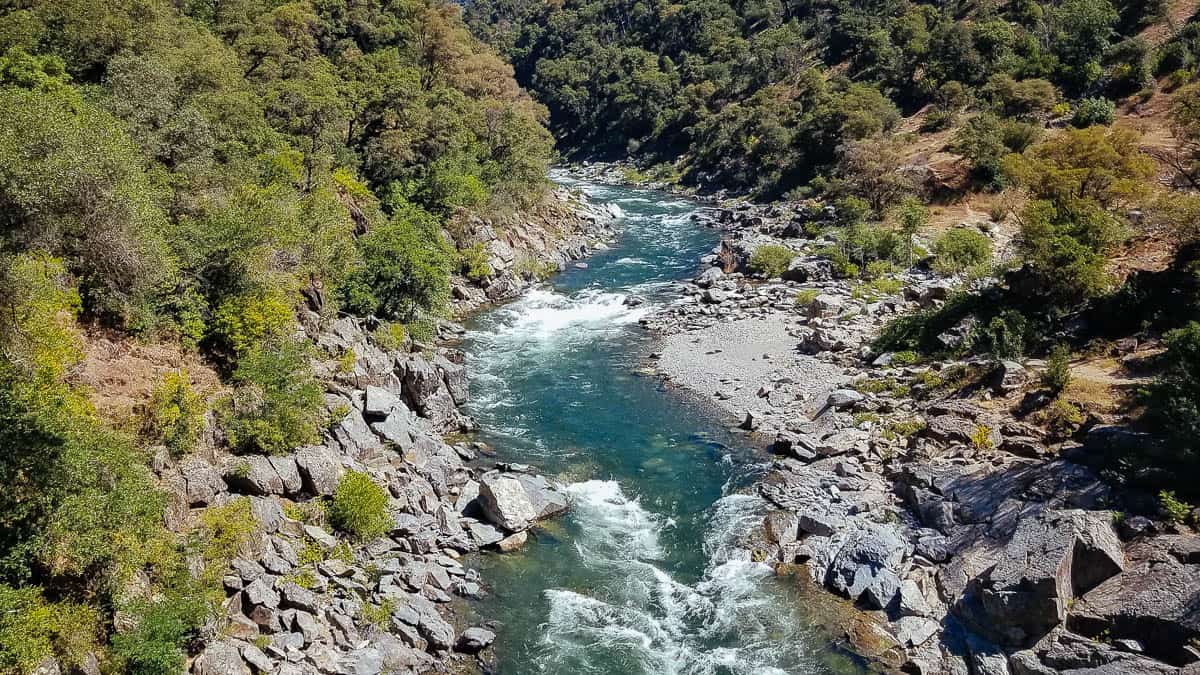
(645, 574)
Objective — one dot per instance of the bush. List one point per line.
(1057, 375)
(1004, 337)
(277, 404)
(360, 507)
(32, 629)
(176, 413)
(473, 263)
(1062, 416)
(1173, 400)
(391, 336)
(771, 260)
(246, 321)
(805, 296)
(960, 248)
(1175, 509)
(1092, 111)
(406, 267)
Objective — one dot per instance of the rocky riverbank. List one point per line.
(525, 248)
(976, 541)
(303, 598)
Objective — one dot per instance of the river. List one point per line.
(645, 574)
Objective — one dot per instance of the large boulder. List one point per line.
(870, 557)
(546, 498)
(319, 469)
(1155, 604)
(1052, 558)
(220, 658)
(505, 502)
(809, 268)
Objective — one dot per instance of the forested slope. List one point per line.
(195, 174)
(760, 95)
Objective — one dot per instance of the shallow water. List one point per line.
(645, 574)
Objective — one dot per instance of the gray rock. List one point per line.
(809, 268)
(867, 551)
(546, 498)
(288, 472)
(914, 631)
(822, 524)
(826, 305)
(505, 502)
(912, 600)
(319, 470)
(483, 534)
(781, 527)
(378, 402)
(1050, 558)
(1155, 603)
(397, 429)
(260, 662)
(843, 398)
(355, 436)
(220, 658)
(709, 277)
(260, 593)
(475, 639)
(293, 595)
(202, 481)
(455, 377)
(882, 589)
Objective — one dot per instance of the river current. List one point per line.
(650, 571)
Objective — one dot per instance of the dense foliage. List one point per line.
(205, 173)
(760, 94)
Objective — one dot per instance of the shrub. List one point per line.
(277, 404)
(246, 321)
(1004, 336)
(1062, 416)
(771, 260)
(32, 629)
(390, 335)
(360, 507)
(905, 358)
(879, 268)
(1092, 111)
(406, 265)
(806, 296)
(1173, 400)
(473, 263)
(981, 438)
(957, 249)
(347, 361)
(1175, 509)
(422, 330)
(1057, 375)
(176, 413)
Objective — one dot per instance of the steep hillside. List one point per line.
(219, 222)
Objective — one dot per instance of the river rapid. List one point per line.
(650, 572)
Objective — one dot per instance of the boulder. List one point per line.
(843, 398)
(1155, 604)
(870, 554)
(202, 481)
(826, 305)
(505, 502)
(455, 377)
(220, 658)
(379, 402)
(253, 475)
(709, 277)
(809, 268)
(546, 498)
(319, 470)
(475, 639)
(914, 631)
(1052, 557)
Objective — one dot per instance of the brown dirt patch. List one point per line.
(121, 373)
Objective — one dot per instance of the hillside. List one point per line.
(222, 222)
